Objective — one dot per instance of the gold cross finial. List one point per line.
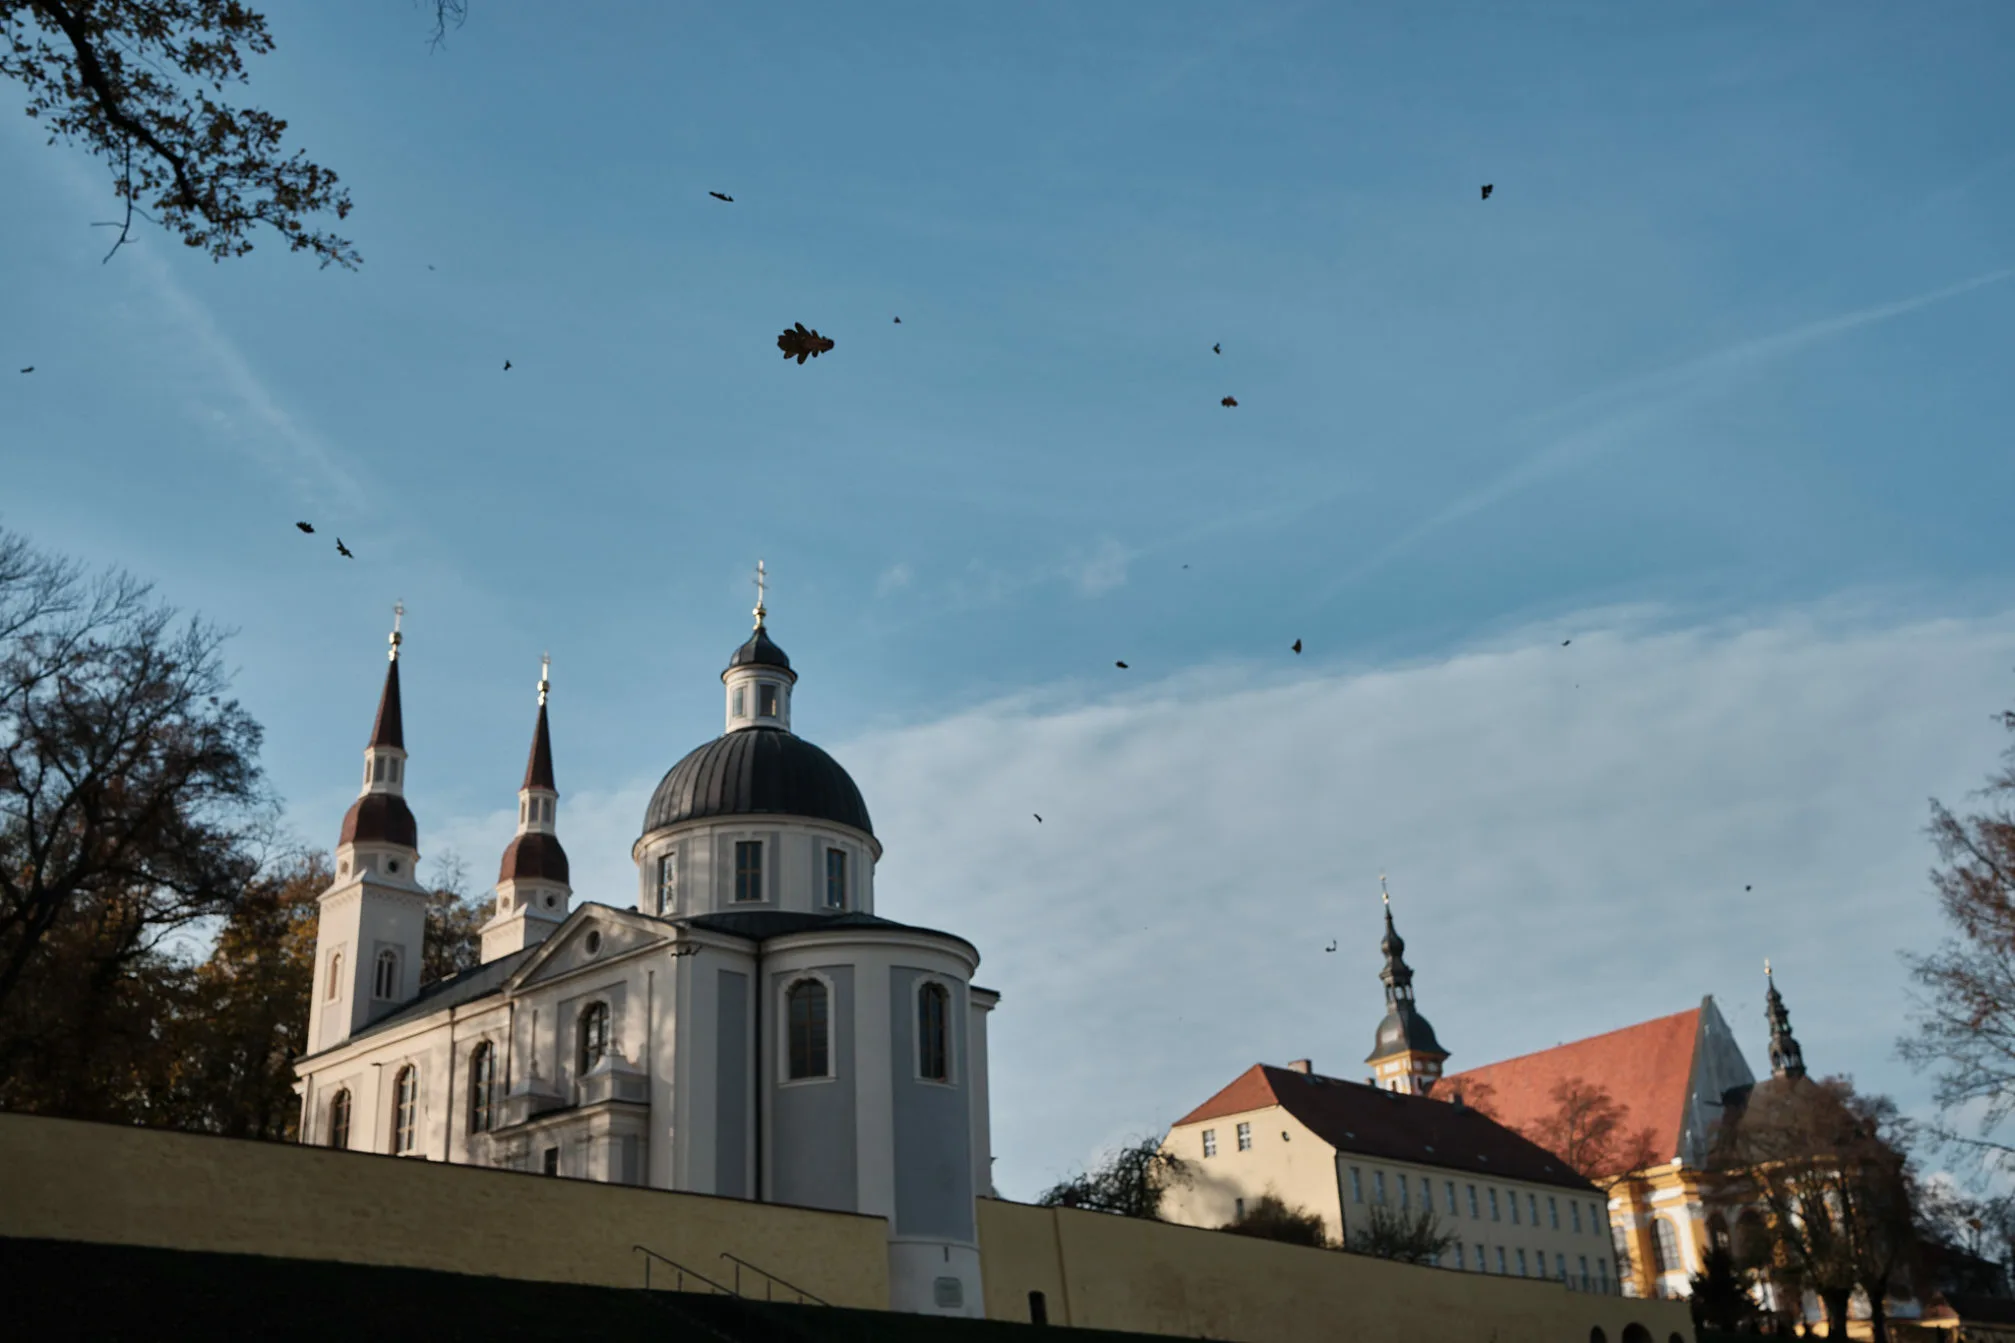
(398, 613)
(545, 684)
(762, 582)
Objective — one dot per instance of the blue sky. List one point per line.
(1715, 384)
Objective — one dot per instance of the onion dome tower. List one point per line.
(369, 932)
(1786, 1058)
(1406, 1056)
(532, 883)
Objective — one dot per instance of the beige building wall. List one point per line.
(1100, 1271)
(104, 1183)
(1571, 1230)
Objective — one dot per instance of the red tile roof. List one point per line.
(1355, 1117)
(1647, 1068)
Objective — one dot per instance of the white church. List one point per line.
(750, 1027)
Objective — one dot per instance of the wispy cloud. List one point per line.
(229, 394)
(1103, 570)
(894, 579)
(1569, 833)
(1623, 411)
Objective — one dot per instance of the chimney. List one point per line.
(1301, 1066)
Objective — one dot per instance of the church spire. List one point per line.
(1786, 1058)
(378, 834)
(533, 883)
(539, 767)
(388, 729)
(1406, 1056)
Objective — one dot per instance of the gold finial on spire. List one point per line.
(1384, 894)
(1766, 967)
(398, 613)
(762, 582)
(545, 683)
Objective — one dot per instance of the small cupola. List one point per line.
(759, 676)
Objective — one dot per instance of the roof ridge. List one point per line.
(1586, 1039)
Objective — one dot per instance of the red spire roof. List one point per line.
(539, 766)
(388, 730)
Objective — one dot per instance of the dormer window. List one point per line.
(766, 700)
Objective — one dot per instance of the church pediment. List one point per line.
(591, 935)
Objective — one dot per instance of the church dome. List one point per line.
(757, 771)
(760, 651)
(380, 818)
(1405, 1030)
(535, 854)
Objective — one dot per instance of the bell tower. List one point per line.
(371, 924)
(1406, 1057)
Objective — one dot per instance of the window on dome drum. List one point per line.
(594, 1032)
(335, 972)
(406, 1105)
(1552, 1212)
(766, 701)
(1210, 1142)
(385, 983)
(668, 881)
(1664, 1247)
(748, 869)
(339, 1119)
(1245, 1137)
(933, 1049)
(836, 878)
(806, 1002)
(482, 1086)
(739, 702)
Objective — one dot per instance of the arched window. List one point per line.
(807, 1004)
(594, 1035)
(933, 1044)
(335, 971)
(1717, 1232)
(482, 1086)
(385, 984)
(1664, 1247)
(339, 1119)
(406, 1103)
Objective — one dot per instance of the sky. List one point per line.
(1713, 385)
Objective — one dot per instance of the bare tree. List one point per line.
(132, 80)
(1409, 1237)
(454, 928)
(1964, 1015)
(131, 803)
(1132, 1182)
(1589, 1129)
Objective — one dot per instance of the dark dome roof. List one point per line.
(759, 651)
(1405, 1029)
(380, 818)
(757, 771)
(535, 855)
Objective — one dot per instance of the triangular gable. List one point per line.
(1648, 1068)
(1250, 1090)
(1718, 1068)
(565, 949)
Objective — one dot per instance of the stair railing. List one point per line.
(770, 1282)
(683, 1272)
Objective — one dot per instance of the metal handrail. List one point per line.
(650, 1254)
(771, 1280)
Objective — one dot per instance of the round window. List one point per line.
(392, 866)
(593, 942)
(549, 902)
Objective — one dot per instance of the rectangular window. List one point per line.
(1458, 1256)
(668, 881)
(1521, 1264)
(1552, 1212)
(1210, 1142)
(1482, 1265)
(1594, 1217)
(1378, 1186)
(1452, 1212)
(766, 701)
(1238, 1210)
(1500, 1261)
(552, 1161)
(1356, 1186)
(1426, 1194)
(836, 878)
(1532, 1206)
(1513, 1196)
(740, 711)
(1473, 1212)
(1560, 1267)
(1602, 1273)
(1405, 1198)
(1245, 1137)
(748, 869)
(1574, 1211)
(1493, 1207)
(1584, 1272)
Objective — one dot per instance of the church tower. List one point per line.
(532, 887)
(1786, 1058)
(372, 920)
(1407, 1057)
